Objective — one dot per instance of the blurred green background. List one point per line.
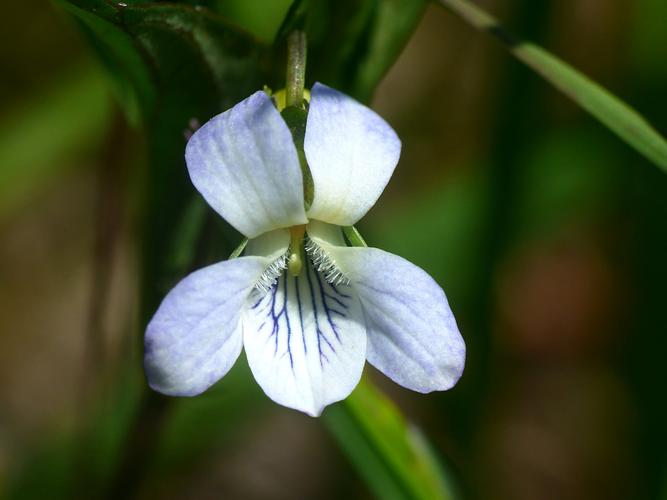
(546, 231)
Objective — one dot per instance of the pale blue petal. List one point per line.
(245, 164)
(195, 336)
(351, 152)
(412, 334)
(305, 341)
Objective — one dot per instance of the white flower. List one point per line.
(308, 309)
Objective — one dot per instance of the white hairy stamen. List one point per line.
(324, 264)
(271, 275)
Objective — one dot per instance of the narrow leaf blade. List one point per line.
(389, 452)
(611, 111)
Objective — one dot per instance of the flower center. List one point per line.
(294, 262)
(301, 247)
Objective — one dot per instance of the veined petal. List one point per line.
(305, 341)
(412, 334)
(245, 164)
(195, 336)
(351, 152)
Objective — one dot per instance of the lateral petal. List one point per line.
(245, 164)
(412, 334)
(195, 336)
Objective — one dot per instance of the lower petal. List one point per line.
(305, 340)
(195, 336)
(412, 334)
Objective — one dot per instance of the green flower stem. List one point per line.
(296, 68)
(613, 113)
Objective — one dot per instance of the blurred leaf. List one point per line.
(394, 22)
(160, 49)
(130, 78)
(352, 43)
(295, 19)
(189, 229)
(387, 450)
(611, 111)
(262, 18)
(37, 138)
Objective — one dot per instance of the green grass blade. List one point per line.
(390, 453)
(607, 108)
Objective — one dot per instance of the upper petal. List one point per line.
(412, 334)
(351, 152)
(305, 341)
(245, 164)
(195, 336)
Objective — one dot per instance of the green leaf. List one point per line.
(261, 17)
(352, 43)
(158, 53)
(116, 49)
(389, 452)
(394, 22)
(294, 20)
(607, 108)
